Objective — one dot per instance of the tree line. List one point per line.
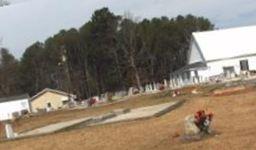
(4, 3)
(108, 53)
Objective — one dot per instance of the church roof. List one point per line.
(226, 43)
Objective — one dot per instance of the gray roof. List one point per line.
(190, 67)
(14, 98)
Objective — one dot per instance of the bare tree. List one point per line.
(129, 45)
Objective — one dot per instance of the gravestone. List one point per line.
(151, 87)
(155, 86)
(158, 86)
(165, 83)
(141, 89)
(146, 88)
(190, 127)
(130, 92)
(180, 83)
(104, 97)
(171, 85)
(8, 130)
(195, 80)
(7, 121)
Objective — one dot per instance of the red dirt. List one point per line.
(233, 90)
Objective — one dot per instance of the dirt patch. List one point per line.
(228, 91)
(187, 90)
(233, 90)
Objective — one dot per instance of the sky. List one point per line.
(26, 21)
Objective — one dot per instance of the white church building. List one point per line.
(224, 53)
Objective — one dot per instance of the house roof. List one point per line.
(14, 98)
(53, 91)
(226, 43)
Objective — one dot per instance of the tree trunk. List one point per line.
(136, 73)
(151, 68)
(86, 79)
(119, 71)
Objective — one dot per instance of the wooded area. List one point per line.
(108, 53)
(4, 3)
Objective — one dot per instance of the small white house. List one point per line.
(15, 104)
(220, 53)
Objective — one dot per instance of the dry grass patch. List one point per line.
(234, 120)
(65, 115)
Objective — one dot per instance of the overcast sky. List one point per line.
(27, 21)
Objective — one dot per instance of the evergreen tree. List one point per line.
(108, 53)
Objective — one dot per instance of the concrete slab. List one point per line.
(145, 112)
(114, 116)
(70, 124)
(54, 127)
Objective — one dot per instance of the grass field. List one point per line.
(234, 121)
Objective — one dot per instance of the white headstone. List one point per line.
(190, 127)
(173, 84)
(155, 86)
(130, 92)
(170, 84)
(8, 129)
(146, 88)
(141, 89)
(151, 87)
(180, 81)
(104, 97)
(165, 83)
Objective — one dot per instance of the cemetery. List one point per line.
(106, 125)
(155, 115)
(167, 101)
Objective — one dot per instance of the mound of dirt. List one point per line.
(228, 91)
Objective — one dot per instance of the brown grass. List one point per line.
(234, 120)
(64, 115)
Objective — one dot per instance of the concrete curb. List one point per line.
(176, 105)
(97, 119)
(158, 114)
